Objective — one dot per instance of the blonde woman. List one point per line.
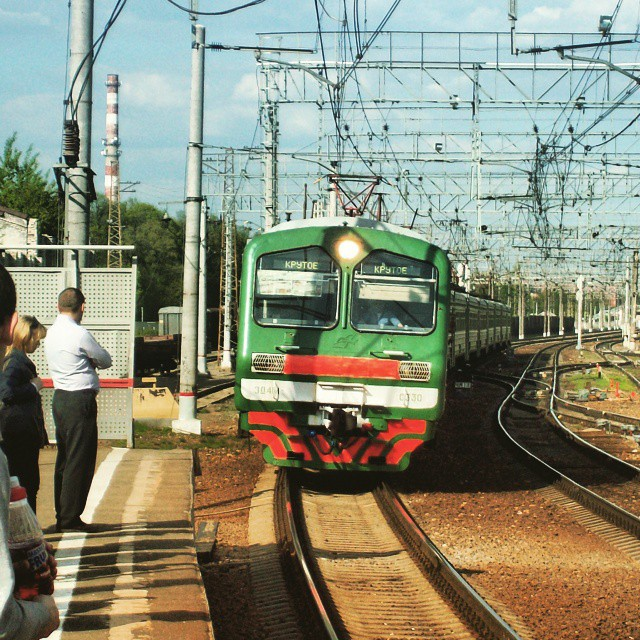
(21, 417)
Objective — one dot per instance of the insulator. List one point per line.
(71, 142)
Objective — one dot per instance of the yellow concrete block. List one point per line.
(154, 403)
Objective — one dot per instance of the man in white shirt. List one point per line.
(74, 355)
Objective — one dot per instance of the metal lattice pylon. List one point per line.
(114, 223)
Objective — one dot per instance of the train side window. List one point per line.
(296, 288)
(394, 293)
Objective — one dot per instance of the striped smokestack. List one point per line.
(112, 142)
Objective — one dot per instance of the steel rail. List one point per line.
(294, 535)
(440, 569)
(553, 398)
(608, 511)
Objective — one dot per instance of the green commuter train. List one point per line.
(344, 340)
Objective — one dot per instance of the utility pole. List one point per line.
(601, 316)
(476, 154)
(633, 302)
(579, 297)
(521, 310)
(546, 328)
(627, 306)
(271, 133)
(77, 128)
(560, 311)
(202, 292)
(187, 421)
(228, 274)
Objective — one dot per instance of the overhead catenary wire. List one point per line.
(224, 12)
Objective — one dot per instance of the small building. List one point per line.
(17, 228)
(169, 320)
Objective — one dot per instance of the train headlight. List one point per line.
(348, 249)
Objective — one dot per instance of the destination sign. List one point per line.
(301, 265)
(384, 263)
(312, 259)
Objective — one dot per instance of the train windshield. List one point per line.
(394, 293)
(297, 288)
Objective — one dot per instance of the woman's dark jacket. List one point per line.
(21, 408)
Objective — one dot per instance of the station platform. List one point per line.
(136, 574)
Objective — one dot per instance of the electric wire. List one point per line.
(224, 12)
(91, 57)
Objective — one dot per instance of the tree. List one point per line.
(24, 188)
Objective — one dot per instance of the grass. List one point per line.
(577, 381)
(584, 355)
(146, 437)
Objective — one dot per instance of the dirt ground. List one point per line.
(457, 491)
(223, 492)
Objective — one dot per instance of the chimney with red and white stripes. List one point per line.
(112, 142)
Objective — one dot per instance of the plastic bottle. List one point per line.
(27, 541)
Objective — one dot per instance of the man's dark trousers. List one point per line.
(75, 414)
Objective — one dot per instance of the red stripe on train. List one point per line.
(342, 367)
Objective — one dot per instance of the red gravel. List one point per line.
(482, 507)
(488, 515)
(223, 493)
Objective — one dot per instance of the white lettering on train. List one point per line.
(390, 271)
(301, 264)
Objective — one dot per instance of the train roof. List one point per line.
(346, 221)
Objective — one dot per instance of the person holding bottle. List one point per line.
(21, 417)
(19, 619)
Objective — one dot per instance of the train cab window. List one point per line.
(394, 293)
(297, 288)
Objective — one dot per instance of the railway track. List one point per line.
(599, 488)
(370, 570)
(366, 583)
(572, 417)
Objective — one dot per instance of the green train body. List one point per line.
(342, 343)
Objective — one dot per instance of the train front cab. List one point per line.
(321, 382)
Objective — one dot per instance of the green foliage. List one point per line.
(164, 438)
(577, 381)
(24, 188)
(159, 246)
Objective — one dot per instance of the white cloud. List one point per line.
(246, 90)
(577, 16)
(35, 117)
(155, 91)
(22, 18)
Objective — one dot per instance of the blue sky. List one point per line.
(149, 47)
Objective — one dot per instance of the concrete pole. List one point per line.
(547, 323)
(228, 274)
(601, 316)
(633, 302)
(187, 421)
(560, 312)
(78, 112)
(271, 132)
(521, 311)
(627, 306)
(202, 293)
(579, 298)
(333, 201)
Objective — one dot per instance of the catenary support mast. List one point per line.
(77, 126)
(187, 421)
